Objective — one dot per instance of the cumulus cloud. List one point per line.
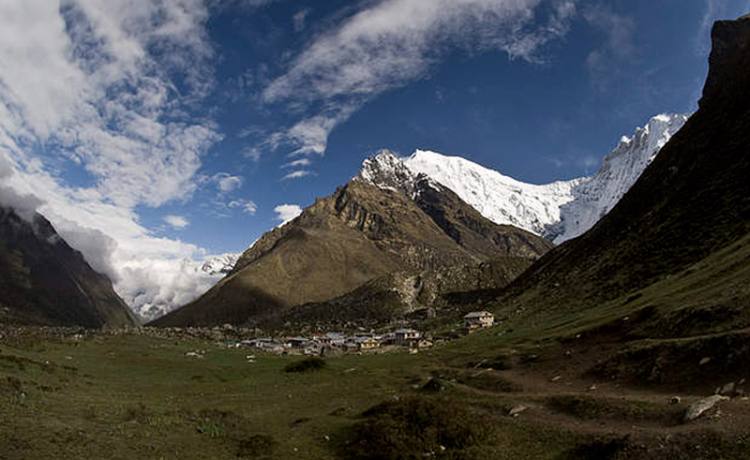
(287, 212)
(97, 248)
(390, 43)
(224, 202)
(227, 183)
(176, 222)
(107, 88)
(6, 168)
(157, 285)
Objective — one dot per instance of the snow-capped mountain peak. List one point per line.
(219, 265)
(387, 171)
(559, 210)
(500, 198)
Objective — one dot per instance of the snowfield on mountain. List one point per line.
(560, 210)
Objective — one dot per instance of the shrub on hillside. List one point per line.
(306, 365)
(414, 428)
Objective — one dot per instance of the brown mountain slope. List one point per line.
(359, 233)
(398, 294)
(693, 201)
(44, 281)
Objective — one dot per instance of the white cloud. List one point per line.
(311, 134)
(247, 206)
(110, 106)
(298, 174)
(287, 212)
(107, 87)
(176, 222)
(242, 3)
(24, 204)
(227, 183)
(157, 285)
(392, 42)
(300, 163)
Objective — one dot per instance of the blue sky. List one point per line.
(538, 121)
(159, 131)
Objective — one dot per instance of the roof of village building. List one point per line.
(365, 339)
(296, 340)
(477, 314)
(335, 335)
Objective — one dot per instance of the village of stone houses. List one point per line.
(330, 343)
(321, 344)
(400, 336)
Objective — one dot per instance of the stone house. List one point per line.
(406, 336)
(478, 320)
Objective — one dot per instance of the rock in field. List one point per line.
(700, 407)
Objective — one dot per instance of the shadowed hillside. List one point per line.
(44, 281)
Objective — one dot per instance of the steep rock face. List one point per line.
(44, 281)
(691, 203)
(361, 232)
(726, 82)
(558, 211)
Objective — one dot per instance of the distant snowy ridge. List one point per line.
(202, 274)
(558, 211)
(220, 264)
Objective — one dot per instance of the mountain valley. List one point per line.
(613, 315)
